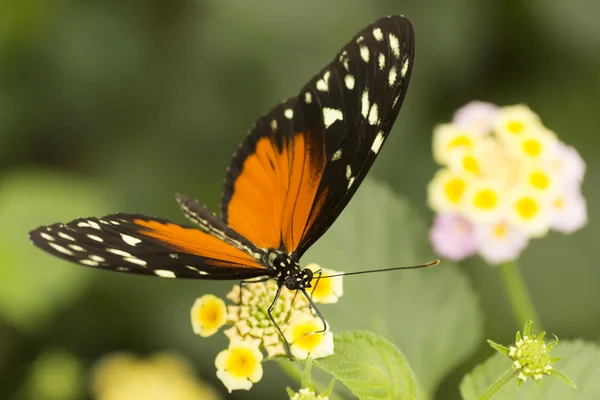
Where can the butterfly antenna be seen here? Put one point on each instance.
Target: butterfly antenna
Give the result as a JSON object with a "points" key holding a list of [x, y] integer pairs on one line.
{"points": [[426, 265]]}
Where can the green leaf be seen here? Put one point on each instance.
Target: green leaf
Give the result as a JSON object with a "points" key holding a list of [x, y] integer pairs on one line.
{"points": [[371, 367], [580, 362], [55, 375], [34, 284], [432, 314]]}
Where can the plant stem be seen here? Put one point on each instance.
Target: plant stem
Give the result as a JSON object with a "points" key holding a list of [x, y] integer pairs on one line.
{"points": [[518, 295], [499, 384], [292, 371]]}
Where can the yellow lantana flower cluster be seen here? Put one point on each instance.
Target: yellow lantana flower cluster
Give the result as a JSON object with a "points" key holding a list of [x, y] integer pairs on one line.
{"points": [[504, 178], [124, 376], [252, 331]]}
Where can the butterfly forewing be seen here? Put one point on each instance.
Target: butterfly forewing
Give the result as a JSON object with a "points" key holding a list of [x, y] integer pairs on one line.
{"points": [[257, 181], [354, 101], [148, 246], [340, 121]]}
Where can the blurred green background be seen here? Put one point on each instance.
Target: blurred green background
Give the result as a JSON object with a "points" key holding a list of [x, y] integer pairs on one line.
{"points": [[116, 105]]}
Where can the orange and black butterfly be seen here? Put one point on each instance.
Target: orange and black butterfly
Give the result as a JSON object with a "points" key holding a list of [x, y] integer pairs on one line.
{"points": [[290, 179]]}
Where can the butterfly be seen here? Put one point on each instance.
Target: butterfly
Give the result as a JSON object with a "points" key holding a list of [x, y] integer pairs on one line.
{"points": [[289, 180]]}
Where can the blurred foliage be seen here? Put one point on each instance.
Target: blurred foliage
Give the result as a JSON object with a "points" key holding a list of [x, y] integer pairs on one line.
{"points": [[55, 375], [379, 230], [30, 294], [114, 106]]}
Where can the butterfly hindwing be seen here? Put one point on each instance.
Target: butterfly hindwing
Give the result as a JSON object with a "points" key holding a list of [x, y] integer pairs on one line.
{"points": [[148, 246]]}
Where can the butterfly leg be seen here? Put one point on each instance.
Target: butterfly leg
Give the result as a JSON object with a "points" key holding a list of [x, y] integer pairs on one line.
{"points": [[269, 312], [314, 307], [317, 272]]}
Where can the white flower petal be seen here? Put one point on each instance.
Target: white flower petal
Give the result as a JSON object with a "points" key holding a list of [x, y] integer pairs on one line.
{"points": [[452, 237], [476, 116], [568, 212], [567, 164], [500, 242], [232, 382]]}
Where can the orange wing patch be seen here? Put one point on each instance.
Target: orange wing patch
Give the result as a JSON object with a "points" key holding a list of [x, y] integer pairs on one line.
{"points": [[196, 242], [275, 191], [256, 207], [308, 163]]}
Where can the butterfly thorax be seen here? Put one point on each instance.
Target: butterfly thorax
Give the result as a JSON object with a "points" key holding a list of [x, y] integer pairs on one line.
{"points": [[287, 271]]}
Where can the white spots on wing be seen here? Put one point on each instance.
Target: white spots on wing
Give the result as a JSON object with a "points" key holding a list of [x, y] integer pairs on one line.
{"points": [[94, 225], [307, 98], [91, 263], [96, 238], [364, 101], [65, 236], [349, 80], [323, 84], [374, 114], [289, 113], [359, 39], [274, 125], [392, 76], [395, 101], [60, 249], [174, 256], [119, 252], [395, 45], [349, 175], [103, 222], [377, 34], [346, 64], [130, 240], [404, 69], [343, 55], [377, 142], [83, 225], [337, 155], [47, 237], [381, 60], [114, 222], [330, 115], [134, 260], [123, 269], [97, 258], [76, 248], [196, 270], [163, 273], [350, 182], [364, 53]]}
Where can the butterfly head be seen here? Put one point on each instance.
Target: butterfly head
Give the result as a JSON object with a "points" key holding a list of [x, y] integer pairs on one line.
{"points": [[298, 280], [287, 271]]}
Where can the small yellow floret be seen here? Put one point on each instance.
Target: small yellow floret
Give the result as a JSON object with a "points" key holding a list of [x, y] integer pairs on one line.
{"points": [[527, 208], [515, 127], [485, 199]]}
